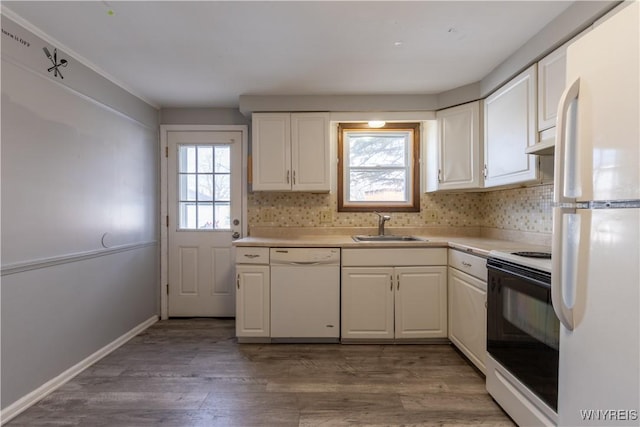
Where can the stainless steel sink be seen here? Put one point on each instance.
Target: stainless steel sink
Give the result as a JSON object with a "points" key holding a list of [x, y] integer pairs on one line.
{"points": [[387, 238]]}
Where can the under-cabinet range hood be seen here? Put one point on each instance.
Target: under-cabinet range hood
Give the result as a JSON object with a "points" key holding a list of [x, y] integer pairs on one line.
{"points": [[546, 145]]}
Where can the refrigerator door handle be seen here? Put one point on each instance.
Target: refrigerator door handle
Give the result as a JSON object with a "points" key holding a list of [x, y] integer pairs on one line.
{"points": [[565, 247], [566, 183]]}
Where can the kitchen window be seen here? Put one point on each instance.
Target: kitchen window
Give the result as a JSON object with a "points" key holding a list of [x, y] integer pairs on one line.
{"points": [[378, 167]]}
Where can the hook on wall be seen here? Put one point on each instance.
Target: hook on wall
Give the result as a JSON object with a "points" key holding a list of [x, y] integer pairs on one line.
{"points": [[54, 60]]}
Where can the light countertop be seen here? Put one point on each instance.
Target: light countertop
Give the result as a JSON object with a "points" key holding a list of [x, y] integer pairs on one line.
{"points": [[476, 245]]}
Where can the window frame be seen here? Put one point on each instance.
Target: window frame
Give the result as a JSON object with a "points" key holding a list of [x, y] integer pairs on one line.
{"points": [[196, 202], [413, 205]]}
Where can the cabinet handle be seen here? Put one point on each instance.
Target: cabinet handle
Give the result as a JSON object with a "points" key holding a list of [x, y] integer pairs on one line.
{"points": [[439, 175], [391, 281], [238, 280], [288, 174], [294, 177], [485, 171], [466, 264], [398, 278], [251, 256]]}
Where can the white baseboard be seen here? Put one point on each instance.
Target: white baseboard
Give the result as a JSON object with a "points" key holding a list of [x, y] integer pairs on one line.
{"points": [[26, 401]]}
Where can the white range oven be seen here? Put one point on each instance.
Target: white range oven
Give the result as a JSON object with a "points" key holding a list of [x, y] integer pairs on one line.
{"points": [[522, 337]]}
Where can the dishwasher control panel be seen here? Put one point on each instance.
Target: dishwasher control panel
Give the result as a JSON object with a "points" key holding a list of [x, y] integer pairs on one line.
{"points": [[305, 255]]}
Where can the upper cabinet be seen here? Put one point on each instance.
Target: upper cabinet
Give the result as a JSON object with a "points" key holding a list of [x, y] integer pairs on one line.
{"points": [[551, 83], [509, 129], [551, 76], [290, 152], [459, 153]]}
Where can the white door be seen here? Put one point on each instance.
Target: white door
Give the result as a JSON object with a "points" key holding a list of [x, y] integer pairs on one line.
{"points": [[204, 207]]}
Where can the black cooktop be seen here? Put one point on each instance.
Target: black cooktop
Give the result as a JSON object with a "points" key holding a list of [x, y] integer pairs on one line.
{"points": [[540, 255]]}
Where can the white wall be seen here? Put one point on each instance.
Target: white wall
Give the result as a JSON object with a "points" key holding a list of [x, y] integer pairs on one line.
{"points": [[202, 116], [80, 209]]}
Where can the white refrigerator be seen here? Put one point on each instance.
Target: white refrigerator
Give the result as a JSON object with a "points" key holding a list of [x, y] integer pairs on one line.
{"points": [[596, 226]]}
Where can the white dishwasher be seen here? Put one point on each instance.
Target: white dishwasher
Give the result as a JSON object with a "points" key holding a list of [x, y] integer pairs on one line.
{"points": [[305, 294]]}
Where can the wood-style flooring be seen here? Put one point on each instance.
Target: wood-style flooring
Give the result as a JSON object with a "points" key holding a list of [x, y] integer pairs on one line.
{"points": [[192, 372]]}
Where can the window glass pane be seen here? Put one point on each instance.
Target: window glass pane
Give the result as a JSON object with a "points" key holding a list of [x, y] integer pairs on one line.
{"points": [[205, 216], [205, 159], [223, 159], [205, 188], [223, 188], [223, 216], [384, 185], [187, 159], [187, 187], [187, 215], [382, 149]]}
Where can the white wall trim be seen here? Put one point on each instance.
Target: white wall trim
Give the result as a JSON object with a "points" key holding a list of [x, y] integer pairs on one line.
{"points": [[69, 258], [164, 207], [50, 386]]}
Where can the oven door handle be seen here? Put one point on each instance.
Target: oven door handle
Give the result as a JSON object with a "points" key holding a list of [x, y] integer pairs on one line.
{"points": [[566, 240]]}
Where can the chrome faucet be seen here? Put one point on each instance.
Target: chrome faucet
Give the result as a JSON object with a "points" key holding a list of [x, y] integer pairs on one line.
{"points": [[381, 220]]}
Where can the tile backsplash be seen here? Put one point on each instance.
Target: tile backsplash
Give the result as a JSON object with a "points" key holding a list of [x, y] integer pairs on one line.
{"points": [[519, 209]]}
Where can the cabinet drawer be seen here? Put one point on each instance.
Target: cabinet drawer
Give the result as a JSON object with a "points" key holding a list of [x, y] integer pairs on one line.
{"points": [[251, 255], [471, 264], [395, 257]]}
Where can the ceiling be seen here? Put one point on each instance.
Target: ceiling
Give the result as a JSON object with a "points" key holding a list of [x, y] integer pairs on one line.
{"points": [[208, 53]]}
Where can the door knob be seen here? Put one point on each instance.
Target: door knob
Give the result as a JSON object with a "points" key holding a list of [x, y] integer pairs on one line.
{"points": [[235, 235], [236, 222]]}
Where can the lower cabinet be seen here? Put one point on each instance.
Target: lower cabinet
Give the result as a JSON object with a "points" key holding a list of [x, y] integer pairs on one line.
{"points": [[467, 307], [394, 302], [253, 292]]}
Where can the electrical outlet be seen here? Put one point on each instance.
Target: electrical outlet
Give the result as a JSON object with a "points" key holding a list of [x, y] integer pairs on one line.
{"points": [[430, 215], [326, 216], [267, 215]]}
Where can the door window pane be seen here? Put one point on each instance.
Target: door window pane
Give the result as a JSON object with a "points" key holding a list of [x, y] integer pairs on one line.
{"points": [[188, 187], [223, 216], [205, 159], [205, 187], [223, 159], [204, 182]]}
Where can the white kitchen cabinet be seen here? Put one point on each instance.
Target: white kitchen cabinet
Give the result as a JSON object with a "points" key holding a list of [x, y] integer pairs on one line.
{"points": [[367, 302], [420, 302], [290, 152], [253, 293], [509, 128], [459, 152], [467, 306], [551, 83], [385, 297]]}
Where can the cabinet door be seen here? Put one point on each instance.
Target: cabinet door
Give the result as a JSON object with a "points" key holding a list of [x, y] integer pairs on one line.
{"points": [[367, 302], [421, 302], [468, 316], [253, 301], [509, 128], [271, 151], [551, 76], [310, 152], [459, 147]]}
